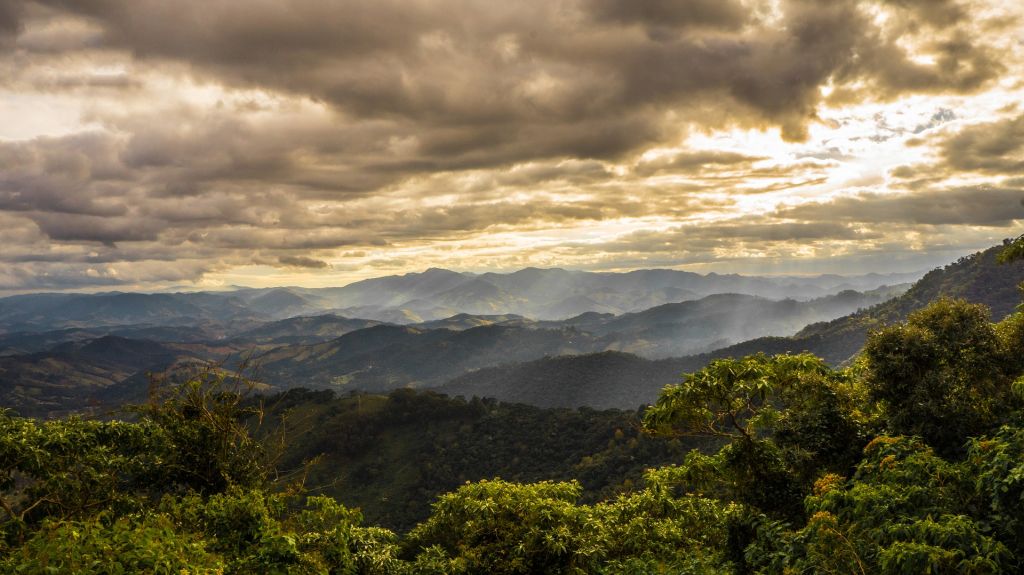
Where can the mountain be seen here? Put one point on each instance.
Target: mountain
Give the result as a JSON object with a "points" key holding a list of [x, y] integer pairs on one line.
{"points": [[392, 291], [281, 303], [554, 294], [977, 278], [386, 357], [466, 321], [55, 369], [57, 350], [541, 294], [715, 321], [303, 329], [623, 381], [46, 312], [75, 374]]}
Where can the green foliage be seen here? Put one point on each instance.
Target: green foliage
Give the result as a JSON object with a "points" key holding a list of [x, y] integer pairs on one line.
{"points": [[1012, 251], [788, 417], [184, 489], [505, 528], [392, 455], [205, 420], [256, 531], [654, 531], [150, 544], [734, 397], [70, 469], [904, 511], [944, 375], [997, 465], [785, 481]]}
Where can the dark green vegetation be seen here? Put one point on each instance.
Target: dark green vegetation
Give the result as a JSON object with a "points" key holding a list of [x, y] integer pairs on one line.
{"points": [[393, 455], [908, 460]]}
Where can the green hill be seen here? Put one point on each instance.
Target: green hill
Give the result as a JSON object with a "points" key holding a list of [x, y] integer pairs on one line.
{"points": [[393, 455]]}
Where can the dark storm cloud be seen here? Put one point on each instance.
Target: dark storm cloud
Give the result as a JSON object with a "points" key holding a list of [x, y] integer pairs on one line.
{"points": [[107, 230], [544, 78], [79, 174], [940, 13]]}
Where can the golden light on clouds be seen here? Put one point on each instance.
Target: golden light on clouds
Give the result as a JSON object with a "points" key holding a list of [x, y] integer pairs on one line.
{"points": [[316, 143]]}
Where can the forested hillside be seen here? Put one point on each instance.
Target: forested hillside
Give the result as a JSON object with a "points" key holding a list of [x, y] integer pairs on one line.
{"points": [[391, 456], [46, 371], [605, 380]]}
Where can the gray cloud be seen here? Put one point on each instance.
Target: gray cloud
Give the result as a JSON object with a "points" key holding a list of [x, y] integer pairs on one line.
{"points": [[536, 72], [443, 121], [10, 19], [970, 206], [995, 147], [302, 262], [725, 14]]}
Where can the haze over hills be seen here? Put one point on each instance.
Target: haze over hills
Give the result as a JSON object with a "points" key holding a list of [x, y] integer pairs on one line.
{"points": [[435, 294], [50, 371], [553, 294], [624, 381], [978, 278], [593, 358]]}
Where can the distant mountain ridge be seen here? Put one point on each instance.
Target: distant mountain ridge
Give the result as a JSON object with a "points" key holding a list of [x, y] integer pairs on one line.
{"points": [[555, 294], [624, 381], [978, 278], [539, 294], [384, 357], [94, 355], [48, 371]]}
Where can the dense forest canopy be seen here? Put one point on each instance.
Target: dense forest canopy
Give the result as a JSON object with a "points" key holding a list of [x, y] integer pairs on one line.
{"points": [[908, 460]]}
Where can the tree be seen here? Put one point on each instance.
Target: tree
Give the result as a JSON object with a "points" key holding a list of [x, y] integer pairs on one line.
{"points": [[1013, 251], [786, 418], [942, 375], [905, 510]]}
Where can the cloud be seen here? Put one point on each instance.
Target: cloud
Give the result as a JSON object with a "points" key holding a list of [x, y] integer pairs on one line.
{"points": [[282, 133], [993, 147], [302, 262], [553, 74], [723, 14], [967, 206], [10, 19]]}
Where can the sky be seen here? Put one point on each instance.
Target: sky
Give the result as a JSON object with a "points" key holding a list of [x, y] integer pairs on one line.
{"points": [[146, 144]]}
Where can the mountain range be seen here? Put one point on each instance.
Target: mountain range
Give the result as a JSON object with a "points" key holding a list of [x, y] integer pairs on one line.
{"points": [[61, 352], [436, 294]]}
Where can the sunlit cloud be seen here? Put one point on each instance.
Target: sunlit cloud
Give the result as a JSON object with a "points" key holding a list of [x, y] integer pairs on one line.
{"points": [[213, 143]]}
